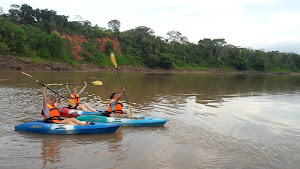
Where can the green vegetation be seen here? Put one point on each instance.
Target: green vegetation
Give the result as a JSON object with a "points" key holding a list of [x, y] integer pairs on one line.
{"points": [[33, 33]]}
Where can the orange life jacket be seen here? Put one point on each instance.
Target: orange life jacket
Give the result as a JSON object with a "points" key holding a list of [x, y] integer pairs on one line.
{"points": [[54, 113], [76, 100], [118, 109]]}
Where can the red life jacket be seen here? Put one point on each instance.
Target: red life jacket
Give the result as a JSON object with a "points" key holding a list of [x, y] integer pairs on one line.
{"points": [[76, 100], [54, 113], [118, 110]]}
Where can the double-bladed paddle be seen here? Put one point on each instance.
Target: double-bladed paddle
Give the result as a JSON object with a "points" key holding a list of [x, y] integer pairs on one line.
{"points": [[70, 101], [97, 83]]}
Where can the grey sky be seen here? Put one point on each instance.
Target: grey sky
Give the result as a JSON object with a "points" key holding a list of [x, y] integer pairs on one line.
{"points": [[259, 24]]}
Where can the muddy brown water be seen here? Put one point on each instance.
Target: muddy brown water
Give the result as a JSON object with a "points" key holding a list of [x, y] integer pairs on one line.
{"points": [[216, 121]]}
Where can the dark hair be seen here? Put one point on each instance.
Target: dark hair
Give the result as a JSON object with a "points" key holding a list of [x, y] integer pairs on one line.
{"points": [[52, 97], [112, 95], [75, 89]]}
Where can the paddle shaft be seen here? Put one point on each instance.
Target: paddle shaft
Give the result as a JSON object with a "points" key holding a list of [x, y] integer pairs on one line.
{"points": [[43, 85], [122, 85], [56, 84], [77, 83]]}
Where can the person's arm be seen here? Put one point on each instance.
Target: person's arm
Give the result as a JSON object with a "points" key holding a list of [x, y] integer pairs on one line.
{"points": [[113, 105], [120, 95], [45, 107], [44, 97], [68, 90], [85, 84], [58, 101]]}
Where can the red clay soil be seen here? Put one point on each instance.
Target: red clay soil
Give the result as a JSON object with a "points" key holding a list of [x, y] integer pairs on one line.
{"points": [[78, 40], [103, 41]]}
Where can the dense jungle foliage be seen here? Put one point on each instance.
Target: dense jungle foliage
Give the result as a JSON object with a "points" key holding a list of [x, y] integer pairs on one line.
{"points": [[29, 32]]}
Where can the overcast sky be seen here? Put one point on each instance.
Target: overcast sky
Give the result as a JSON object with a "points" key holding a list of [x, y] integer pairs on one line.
{"points": [[258, 24]]}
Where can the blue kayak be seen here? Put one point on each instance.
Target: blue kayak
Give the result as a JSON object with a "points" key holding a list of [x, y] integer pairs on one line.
{"points": [[140, 121], [51, 128]]}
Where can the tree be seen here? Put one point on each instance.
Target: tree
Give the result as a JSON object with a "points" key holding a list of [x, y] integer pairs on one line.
{"points": [[32, 32], [206, 43], [219, 48], [78, 18], [138, 41], [184, 41], [27, 14], [14, 12], [114, 25], [140, 32], [174, 36]]}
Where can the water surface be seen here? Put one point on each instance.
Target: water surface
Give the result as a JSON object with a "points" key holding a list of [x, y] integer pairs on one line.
{"points": [[216, 121]]}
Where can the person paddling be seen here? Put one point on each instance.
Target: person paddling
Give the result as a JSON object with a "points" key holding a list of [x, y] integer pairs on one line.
{"points": [[75, 96], [52, 115], [115, 107]]}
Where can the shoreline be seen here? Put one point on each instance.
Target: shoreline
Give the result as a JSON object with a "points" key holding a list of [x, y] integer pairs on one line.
{"points": [[16, 63]]}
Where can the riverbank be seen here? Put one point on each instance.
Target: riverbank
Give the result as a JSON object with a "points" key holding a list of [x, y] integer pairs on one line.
{"points": [[8, 62]]}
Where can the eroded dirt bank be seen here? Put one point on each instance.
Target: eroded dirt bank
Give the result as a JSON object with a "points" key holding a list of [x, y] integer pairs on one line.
{"points": [[8, 62]]}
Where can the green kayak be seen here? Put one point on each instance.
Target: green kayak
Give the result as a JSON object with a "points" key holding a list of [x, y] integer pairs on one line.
{"points": [[140, 121]]}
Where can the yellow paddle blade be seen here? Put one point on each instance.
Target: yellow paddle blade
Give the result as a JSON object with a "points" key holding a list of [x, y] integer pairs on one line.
{"points": [[97, 83], [55, 84], [71, 102], [113, 59], [130, 111]]}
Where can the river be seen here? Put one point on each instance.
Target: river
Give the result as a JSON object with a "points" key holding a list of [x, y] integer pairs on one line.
{"points": [[216, 121]]}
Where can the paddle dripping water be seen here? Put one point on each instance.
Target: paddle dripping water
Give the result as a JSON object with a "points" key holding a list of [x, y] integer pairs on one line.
{"points": [[216, 121]]}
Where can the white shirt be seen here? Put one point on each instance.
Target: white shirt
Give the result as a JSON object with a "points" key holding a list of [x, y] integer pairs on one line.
{"points": [[113, 106], [46, 111]]}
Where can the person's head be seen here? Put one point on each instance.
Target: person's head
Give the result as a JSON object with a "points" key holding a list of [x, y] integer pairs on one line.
{"points": [[113, 96], [52, 100], [74, 91]]}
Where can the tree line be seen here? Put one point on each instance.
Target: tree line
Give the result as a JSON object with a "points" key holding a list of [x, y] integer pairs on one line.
{"points": [[31, 32]]}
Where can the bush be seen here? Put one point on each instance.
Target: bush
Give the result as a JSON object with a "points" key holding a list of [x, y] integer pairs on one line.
{"points": [[152, 61], [56, 46], [258, 65], [44, 53], [166, 61], [109, 47], [4, 48], [240, 64], [12, 37]]}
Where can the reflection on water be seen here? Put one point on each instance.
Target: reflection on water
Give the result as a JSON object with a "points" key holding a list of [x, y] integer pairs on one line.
{"points": [[65, 150], [50, 151], [218, 120]]}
